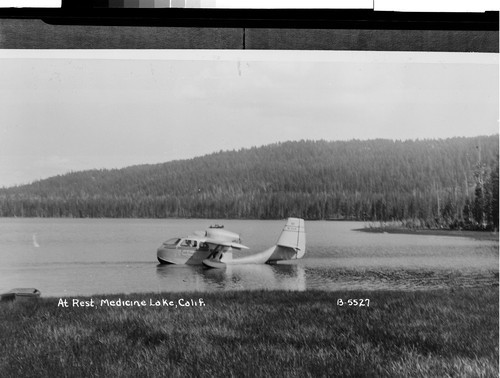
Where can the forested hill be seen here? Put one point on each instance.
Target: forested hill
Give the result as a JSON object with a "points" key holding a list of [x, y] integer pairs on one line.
{"points": [[429, 180]]}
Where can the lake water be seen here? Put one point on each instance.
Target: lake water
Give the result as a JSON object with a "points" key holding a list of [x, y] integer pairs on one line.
{"points": [[103, 256]]}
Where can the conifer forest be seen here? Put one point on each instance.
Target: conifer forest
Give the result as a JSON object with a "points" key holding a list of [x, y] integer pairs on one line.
{"points": [[433, 183]]}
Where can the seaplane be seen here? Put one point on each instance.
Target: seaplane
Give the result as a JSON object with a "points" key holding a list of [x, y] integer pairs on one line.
{"points": [[217, 247]]}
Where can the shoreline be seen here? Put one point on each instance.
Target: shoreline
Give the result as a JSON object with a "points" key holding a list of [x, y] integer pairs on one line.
{"points": [[477, 235]]}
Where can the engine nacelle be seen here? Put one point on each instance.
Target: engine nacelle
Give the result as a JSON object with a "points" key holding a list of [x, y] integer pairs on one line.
{"points": [[223, 235]]}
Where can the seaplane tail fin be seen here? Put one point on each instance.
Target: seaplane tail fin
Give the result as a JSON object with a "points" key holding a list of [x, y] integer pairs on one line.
{"points": [[294, 236]]}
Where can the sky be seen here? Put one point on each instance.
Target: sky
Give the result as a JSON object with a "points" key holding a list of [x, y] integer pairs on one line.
{"points": [[74, 110]]}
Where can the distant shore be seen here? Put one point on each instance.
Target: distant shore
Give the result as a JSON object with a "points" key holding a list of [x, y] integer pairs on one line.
{"points": [[478, 235]]}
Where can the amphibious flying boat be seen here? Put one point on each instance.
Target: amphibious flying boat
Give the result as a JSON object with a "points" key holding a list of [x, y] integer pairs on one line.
{"points": [[217, 247]]}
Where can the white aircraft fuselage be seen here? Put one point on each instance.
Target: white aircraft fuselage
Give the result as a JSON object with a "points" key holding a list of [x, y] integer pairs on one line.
{"points": [[215, 247]]}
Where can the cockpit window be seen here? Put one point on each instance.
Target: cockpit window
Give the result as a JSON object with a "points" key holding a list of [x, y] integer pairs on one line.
{"points": [[173, 241], [189, 243]]}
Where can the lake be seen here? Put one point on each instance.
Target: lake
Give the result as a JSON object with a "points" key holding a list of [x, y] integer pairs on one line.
{"points": [[103, 256]]}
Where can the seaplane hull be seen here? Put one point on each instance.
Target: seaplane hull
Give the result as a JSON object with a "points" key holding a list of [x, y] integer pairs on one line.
{"points": [[181, 256], [193, 249]]}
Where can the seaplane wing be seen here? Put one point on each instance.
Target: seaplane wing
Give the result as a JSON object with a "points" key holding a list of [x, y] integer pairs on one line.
{"points": [[225, 243]]}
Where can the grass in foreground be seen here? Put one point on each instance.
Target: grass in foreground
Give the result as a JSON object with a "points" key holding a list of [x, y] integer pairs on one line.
{"points": [[265, 333]]}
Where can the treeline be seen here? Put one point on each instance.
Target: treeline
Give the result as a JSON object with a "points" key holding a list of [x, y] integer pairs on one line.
{"points": [[430, 183]]}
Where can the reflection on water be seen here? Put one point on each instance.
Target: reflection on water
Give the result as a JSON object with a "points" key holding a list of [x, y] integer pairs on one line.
{"points": [[300, 278], [234, 277], [102, 256]]}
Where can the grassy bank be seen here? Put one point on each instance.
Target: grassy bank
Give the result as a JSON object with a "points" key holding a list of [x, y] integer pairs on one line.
{"points": [[478, 235], [275, 333]]}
